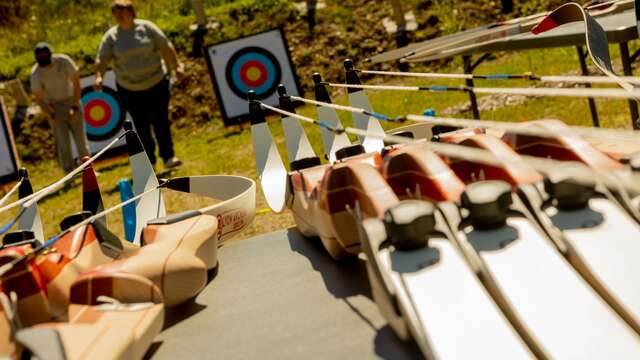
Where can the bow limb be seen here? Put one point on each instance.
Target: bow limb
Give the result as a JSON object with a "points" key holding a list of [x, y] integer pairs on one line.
{"points": [[298, 145], [144, 178], [271, 170], [595, 37]]}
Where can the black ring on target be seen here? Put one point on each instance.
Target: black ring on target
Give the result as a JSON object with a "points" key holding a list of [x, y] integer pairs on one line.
{"points": [[253, 68], [103, 113]]}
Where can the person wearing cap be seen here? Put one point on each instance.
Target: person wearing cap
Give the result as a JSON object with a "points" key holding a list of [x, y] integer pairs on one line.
{"points": [[142, 57], [55, 84]]}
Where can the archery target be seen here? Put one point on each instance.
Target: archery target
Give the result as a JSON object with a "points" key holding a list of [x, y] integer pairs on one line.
{"points": [[253, 68], [8, 154], [103, 113], [258, 62]]}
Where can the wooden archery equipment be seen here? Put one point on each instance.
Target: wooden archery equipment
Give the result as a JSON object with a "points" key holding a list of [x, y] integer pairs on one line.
{"points": [[595, 299]]}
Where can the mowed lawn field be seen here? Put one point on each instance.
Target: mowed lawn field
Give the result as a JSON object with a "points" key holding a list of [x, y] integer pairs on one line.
{"points": [[212, 149]]}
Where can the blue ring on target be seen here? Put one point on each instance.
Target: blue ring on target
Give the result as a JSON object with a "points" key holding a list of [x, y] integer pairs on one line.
{"points": [[266, 59], [107, 99]]}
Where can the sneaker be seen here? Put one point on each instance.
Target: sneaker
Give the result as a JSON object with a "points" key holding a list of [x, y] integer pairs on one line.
{"points": [[172, 163]]}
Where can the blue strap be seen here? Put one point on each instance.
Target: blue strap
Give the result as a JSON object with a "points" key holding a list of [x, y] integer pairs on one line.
{"points": [[7, 226], [128, 211], [438, 88], [498, 76], [380, 116]]}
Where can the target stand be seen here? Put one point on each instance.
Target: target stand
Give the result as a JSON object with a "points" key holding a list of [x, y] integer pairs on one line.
{"points": [[9, 160], [258, 62], [103, 114]]}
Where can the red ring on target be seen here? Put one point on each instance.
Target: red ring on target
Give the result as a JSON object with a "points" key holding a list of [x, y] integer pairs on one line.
{"points": [[253, 64], [97, 122]]}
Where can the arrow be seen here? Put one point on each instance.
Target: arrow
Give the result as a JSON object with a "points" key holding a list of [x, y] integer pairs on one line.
{"points": [[40, 194], [29, 219], [332, 141], [52, 240], [530, 77], [298, 145], [450, 150], [13, 190], [234, 196], [580, 93], [144, 178], [609, 134], [344, 108], [28, 201]]}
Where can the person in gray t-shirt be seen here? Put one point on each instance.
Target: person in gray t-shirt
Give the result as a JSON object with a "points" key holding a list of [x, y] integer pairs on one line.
{"points": [[55, 84], [142, 56]]}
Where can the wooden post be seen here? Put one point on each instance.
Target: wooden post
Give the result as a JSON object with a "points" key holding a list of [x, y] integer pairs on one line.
{"points": [[582, 56], [468, 69], [201, 30], [626, 68], [401, 32], [312, 5], [398, 15], [507, 6], [198, 8], [22, 102]]}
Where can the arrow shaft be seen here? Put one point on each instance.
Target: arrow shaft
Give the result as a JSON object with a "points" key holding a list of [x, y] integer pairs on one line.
{"points": [[450, 150], [530, 77], [611, 134], [572, 92], [52, 240], [343, 108], [10, 193], [40, 194]]}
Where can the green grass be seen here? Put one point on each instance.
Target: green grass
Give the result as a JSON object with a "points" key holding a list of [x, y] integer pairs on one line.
{"points": [[78, 33], [206, 148], [209, 149]]}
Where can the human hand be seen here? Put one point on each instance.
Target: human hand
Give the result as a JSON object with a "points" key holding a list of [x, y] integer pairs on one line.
{"points": [[180, 73], [48, 110], [73, 112], [98, 84]]}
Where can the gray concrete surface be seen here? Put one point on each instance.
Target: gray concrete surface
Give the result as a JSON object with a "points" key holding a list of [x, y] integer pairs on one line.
{"points": [[280, 296]]}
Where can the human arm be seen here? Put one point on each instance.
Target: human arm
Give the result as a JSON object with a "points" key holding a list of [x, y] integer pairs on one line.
{"points": [[38, 94], [48, 111], [75, 105], [105, 55], [167, 50], [101, 68], [170, 57], [74, 78]]}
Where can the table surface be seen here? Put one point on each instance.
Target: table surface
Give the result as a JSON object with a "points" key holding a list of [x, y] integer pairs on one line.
{"points": [[280, 296], [620, 27]]}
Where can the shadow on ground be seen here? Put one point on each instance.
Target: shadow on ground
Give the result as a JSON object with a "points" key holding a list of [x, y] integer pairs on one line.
{"points": [[345, 280]]}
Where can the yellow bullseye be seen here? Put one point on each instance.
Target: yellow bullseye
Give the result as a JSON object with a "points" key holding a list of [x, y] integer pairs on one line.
{"points": [[97, 113], [253, 73]]}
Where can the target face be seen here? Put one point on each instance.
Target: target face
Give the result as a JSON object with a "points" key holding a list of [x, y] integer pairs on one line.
{"points": [[253, 68], [259, 62], [103, 113]]}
